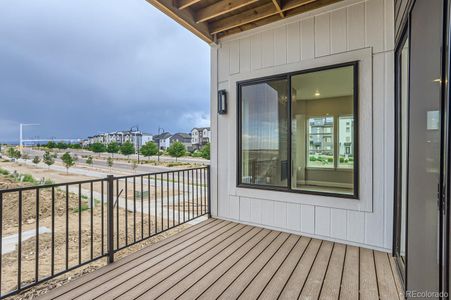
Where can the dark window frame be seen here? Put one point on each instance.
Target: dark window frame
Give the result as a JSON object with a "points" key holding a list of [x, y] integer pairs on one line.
{"points": [[288, 76]]}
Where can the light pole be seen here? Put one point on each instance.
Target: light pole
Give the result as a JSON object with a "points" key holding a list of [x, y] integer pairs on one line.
{"points": [[21, 135], [159, 139]]}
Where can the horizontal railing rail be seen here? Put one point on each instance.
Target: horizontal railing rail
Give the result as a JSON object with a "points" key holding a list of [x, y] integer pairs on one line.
{"points": [[49, 230]]}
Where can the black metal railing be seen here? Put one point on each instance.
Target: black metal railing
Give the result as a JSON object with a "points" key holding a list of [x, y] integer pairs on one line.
{"points": [[48, 230]]}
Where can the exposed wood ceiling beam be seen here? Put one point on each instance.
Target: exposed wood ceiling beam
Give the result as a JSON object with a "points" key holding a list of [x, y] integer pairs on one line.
{"points": [[278, 5], [290, 8], [181, 4], [220, 8], [184, 18], [254, 15], [245, 17]]}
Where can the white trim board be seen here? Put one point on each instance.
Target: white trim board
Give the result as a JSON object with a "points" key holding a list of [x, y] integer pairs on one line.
{"points": [[365, 201]]}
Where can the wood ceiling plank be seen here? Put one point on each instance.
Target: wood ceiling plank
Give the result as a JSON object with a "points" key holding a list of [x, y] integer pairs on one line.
{"points": [[184, 18], [248, 16], [220, 8], [263, 15], [253, 15], [182, 4]]}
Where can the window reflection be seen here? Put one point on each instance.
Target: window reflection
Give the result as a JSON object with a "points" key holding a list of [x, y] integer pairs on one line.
{"points": [[264, 110]]}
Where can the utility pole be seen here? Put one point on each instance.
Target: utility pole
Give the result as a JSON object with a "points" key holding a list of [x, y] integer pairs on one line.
{"points": [[159, 139], [21, 135]]}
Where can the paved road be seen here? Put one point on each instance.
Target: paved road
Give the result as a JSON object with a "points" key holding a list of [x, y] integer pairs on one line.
{"points": [[146, 168], [193, 160]]}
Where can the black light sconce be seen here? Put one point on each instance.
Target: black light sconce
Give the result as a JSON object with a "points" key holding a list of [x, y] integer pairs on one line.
{"points": [[222, 102]]}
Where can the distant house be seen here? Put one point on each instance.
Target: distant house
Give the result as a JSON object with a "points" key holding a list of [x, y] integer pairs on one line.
{"points": [[163, 140], [184, 138], [200, 137]]}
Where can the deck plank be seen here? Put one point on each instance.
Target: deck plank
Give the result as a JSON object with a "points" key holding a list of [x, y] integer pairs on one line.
{"points": [[386, 282], [259, 282], [122, 280], [351, 272], [217, 253], [312, 287], [240, 282], [332, 281], [237, 261], [297, 279], [368, 279], [139, 284], [130, 261], [277, 283], [222, 259], [398, 283], [228, 278]]}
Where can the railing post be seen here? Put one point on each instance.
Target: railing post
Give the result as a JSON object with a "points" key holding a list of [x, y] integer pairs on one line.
{"points": [[110, 219], [209, 190]]}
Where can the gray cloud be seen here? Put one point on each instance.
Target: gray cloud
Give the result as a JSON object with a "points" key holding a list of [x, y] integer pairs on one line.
{"points": [[78, 67]]}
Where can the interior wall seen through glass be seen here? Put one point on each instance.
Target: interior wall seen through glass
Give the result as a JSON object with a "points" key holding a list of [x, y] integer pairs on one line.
{"points": [[323, 132]]}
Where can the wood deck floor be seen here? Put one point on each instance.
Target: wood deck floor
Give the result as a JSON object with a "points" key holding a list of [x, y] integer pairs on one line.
{"points": [[224, 260]]}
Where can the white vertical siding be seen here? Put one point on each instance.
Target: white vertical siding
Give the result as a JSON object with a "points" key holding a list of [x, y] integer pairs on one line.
{"points": [[347, 26]]}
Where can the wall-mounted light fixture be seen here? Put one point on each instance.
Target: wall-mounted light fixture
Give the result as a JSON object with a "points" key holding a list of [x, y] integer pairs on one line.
{"points": [[222, 102]]}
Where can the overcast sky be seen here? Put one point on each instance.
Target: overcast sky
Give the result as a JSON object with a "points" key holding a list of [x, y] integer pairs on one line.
{"points": [[88, 66]]}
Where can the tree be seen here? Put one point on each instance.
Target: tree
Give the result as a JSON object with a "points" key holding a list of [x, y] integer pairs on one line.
{"points": [[51, 145], [110, 162], [205, 151], [89, 160], [149, 149], [75, 146], [177, 150], [48, 159], [127, 148], [36, 160], [68, 161], [61, 145], [13, 153], [97, 148], [112, 148]]}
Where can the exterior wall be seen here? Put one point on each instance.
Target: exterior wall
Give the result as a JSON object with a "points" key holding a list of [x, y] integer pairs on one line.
{"points": [[346, 31]]}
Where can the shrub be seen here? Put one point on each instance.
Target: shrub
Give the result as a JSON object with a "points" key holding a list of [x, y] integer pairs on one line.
{"points": [[36, 160], [205, 151]]}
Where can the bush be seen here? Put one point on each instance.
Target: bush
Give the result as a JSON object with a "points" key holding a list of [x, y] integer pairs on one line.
{"points": [[312, 158], [4, 172], [330, 159], [196, 153], [36, 160], [205, 151]]}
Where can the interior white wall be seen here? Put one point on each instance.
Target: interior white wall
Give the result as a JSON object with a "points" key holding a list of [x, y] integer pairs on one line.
{"points": [[343, 31]]}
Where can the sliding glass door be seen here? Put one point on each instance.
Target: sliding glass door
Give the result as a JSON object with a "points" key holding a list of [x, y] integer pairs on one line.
{"points": [[418, 237], [402, 124]]}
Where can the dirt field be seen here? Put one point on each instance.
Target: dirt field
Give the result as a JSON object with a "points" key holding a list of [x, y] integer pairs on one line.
{"points": [[92, 241]]}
